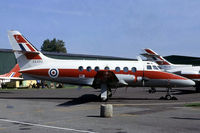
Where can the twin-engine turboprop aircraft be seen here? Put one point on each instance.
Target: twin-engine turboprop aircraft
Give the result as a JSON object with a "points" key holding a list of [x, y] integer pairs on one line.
{"points": [[188, 71], [102, 74], [11, 76]]}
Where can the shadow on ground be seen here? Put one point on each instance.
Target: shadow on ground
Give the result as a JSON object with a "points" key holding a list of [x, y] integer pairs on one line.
{"points": [[81, 100]]}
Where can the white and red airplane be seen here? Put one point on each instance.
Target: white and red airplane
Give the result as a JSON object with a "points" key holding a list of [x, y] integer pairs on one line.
{"points": [[13, 75], [188, 71], [102, 74]]}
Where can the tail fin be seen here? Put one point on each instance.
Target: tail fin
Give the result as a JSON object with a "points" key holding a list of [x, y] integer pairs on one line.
{"points": [[14, 73], [26, 54], [153, 56]]}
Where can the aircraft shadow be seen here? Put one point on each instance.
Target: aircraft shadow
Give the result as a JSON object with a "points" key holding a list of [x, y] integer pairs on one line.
{"points": [[185, 118], [47, 98], [94, 98], [81, 100], [182, 92], [177, 91]]}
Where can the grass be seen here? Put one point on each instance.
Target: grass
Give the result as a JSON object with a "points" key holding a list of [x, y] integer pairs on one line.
{"points": [[193, 105]]}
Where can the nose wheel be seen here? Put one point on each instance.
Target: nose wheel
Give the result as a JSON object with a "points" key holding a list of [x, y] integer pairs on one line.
{"points": [[168, 96]]}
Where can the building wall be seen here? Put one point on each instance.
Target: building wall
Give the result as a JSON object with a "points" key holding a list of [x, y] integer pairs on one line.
{"points": [[7, 61]]}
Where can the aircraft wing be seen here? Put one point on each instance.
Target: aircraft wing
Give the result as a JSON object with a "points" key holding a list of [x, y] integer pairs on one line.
{"points": [[107, 77], [111, 79]]}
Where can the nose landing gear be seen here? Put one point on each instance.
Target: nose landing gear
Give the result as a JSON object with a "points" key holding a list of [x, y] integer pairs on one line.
{"points": [[168, 96]]}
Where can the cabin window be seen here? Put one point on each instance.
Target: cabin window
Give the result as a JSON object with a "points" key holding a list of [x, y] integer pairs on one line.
{"points": [[125, 69], [155, 67], [89, 68], [133, 69], [117, 69], [80, 68], [96, 68], [106, 68], [149, 67]]}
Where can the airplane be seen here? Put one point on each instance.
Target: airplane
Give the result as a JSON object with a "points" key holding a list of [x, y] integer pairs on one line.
{"points": [[188, 71], [13, 75], [99, 74]]}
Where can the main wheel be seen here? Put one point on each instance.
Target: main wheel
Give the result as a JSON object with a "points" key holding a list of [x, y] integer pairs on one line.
{"points": [[168, 97]]}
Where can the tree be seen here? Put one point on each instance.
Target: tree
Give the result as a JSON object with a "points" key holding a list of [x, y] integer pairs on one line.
{"points": [[54, 46]]}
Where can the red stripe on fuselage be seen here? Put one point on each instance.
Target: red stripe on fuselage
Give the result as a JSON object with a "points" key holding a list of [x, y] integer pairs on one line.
{"points": [[76, 73], [191, 76], [161, 75]]}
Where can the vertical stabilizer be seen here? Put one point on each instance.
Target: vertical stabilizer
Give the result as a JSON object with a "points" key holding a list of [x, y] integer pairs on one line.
{"points": [[153, 56], [26, 54]]}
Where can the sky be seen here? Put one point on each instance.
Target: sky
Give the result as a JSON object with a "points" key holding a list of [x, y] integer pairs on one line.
{"points": [[119, 28]]}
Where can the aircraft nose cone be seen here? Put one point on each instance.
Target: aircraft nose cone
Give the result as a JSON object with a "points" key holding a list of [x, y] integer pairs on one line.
{"points": [[189, 82], [183, 83]]}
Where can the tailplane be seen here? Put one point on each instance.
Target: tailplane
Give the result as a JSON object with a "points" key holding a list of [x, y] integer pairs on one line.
{"points": [[153, 56], [14, 73]]}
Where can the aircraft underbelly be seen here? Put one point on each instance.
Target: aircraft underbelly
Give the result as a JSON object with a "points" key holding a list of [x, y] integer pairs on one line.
{"points": [[67, 80]]}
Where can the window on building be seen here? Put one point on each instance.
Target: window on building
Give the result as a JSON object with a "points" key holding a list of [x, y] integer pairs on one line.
{"points": [[117, 69], [80, 68]]}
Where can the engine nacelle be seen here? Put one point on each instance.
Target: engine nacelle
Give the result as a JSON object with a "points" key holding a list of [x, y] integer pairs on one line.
{"points": [[125, 79]]}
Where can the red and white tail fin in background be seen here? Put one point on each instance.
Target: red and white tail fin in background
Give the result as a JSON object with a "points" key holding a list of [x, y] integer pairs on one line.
{"points": [[153, 56], [13, 74], [26, 54]]}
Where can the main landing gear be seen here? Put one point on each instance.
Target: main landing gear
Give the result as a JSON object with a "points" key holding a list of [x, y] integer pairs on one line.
{"points": [[168, 96], [105, 92]]}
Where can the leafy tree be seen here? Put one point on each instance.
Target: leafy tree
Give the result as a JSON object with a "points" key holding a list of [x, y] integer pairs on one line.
{"points": [[54, 46]]}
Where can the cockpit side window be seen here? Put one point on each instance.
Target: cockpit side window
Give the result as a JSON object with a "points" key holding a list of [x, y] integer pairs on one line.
{"points": [[149, 67], [155, 68]]}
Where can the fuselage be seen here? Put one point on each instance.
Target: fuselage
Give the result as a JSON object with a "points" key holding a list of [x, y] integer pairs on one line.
{"points": [[188, 71], [82, 72]]}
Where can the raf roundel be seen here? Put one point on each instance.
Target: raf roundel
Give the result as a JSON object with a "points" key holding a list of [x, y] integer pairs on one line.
{"points": [[53, 73]]}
